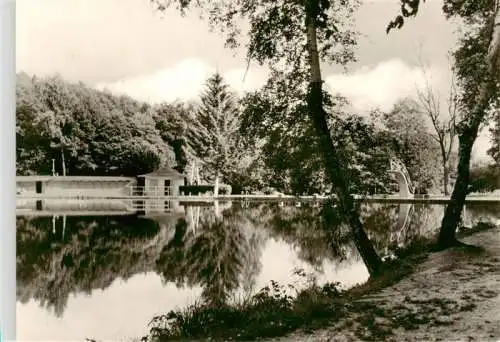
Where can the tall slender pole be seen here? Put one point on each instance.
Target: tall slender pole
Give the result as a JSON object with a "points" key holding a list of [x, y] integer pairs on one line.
{"points": [[53, 224], [64, 226], [63, 163]]}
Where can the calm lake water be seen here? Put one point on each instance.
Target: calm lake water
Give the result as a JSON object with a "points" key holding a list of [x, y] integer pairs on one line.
{"points": [[106, 276]]}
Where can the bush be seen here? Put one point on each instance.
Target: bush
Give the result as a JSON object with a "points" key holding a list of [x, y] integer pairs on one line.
{"points": [[270, 312], [195, 190], [484, 179]]}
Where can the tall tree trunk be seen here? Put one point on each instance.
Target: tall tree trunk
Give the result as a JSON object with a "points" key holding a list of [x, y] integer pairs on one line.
{"points": [[333, 162], [468, 135], [453, 212]]}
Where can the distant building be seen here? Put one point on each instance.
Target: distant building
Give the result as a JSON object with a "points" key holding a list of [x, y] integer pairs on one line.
{"points": [[162, 182]]}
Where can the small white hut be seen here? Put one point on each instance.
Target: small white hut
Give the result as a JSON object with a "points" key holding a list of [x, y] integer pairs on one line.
{"points": [[162, 182]]}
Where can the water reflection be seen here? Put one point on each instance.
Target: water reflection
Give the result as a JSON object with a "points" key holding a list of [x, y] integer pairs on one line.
{"points": [[221, 256], [160, 259], [91, 254]]}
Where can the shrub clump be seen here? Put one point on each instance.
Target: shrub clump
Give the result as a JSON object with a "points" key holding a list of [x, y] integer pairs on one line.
{"points": [[272, 311]]}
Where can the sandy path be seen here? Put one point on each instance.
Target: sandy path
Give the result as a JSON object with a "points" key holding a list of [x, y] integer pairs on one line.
{"points": [[453, 296]]}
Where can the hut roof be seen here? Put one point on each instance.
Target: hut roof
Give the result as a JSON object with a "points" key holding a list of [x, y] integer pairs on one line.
{"points": [[164, 172]]}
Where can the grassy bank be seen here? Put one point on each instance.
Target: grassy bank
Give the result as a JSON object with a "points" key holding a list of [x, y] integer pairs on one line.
{"points": [[274, 312]]}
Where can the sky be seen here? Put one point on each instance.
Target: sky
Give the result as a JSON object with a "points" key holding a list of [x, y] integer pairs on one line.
{"points": [[128, 47]]}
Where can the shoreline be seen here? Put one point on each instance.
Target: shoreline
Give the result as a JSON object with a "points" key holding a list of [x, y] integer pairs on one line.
{"points": [[424, 296], [262, 198], [453, 295]]}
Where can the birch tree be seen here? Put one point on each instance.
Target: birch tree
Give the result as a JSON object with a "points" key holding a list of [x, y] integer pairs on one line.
{"points": [[296, 35], [476, 61]]}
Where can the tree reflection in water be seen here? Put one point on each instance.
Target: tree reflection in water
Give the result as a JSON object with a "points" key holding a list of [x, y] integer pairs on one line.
{"points": [[223, 254], [94, 252]]}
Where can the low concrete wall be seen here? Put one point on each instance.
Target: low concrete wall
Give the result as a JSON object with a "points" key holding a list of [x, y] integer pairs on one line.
{"points": [[72, 205], [26, 204], [89, 205], [74, 186]]}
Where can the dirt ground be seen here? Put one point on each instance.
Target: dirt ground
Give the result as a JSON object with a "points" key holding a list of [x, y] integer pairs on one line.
{"points": [[452, 296]]}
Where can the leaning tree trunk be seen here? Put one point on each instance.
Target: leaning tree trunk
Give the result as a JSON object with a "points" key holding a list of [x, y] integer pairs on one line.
{"points": [[335, 165], [467, 136], [453, 212]]}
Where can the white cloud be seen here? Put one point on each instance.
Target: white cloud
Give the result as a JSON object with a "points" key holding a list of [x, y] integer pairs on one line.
{"points": [[243, 81], [380, 86], [183, 81]]}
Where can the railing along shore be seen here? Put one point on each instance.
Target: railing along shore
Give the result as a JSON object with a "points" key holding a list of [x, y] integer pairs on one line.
{"points": [[248, 197]]}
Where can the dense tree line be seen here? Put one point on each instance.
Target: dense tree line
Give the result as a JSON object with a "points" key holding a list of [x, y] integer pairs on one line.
{"points": [[85, 131], [73, 129], [256, 142], [261, 141]]}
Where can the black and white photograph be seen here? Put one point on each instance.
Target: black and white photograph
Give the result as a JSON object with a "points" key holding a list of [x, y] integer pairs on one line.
{"points": [[256, 170]]}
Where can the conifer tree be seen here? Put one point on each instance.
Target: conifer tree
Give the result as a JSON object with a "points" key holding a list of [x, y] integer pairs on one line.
{"points": [[212, 138]]}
